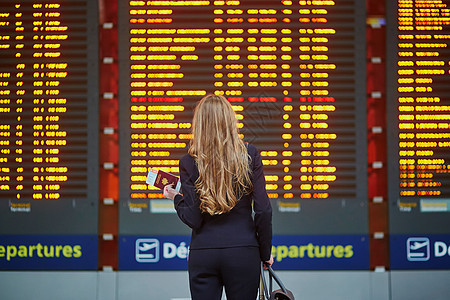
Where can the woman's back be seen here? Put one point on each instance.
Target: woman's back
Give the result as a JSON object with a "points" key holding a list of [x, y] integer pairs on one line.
{"points": [[220, 155], [223, 183], [236, 227]]}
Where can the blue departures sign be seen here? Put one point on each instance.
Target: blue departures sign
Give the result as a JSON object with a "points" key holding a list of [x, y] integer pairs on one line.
{"points": [[153, 252], [321, 252], [48, 252], [291, 252], [426, 251]]}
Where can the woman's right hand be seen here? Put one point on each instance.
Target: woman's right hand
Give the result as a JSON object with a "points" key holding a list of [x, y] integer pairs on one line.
{"points": [[268, 262]]}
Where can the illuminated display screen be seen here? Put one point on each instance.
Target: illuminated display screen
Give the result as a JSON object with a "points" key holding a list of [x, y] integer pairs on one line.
{"points": [[419, 115], [47, 117], [294, 74]]}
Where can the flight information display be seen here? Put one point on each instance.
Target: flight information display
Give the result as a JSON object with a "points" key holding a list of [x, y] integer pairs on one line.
{"points": [[294, 73], [48, 117], [419, 115]]}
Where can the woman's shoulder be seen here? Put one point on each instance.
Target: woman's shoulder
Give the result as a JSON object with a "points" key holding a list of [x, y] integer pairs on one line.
{"points": [[187, 159], [252, 150], [188, 162]]}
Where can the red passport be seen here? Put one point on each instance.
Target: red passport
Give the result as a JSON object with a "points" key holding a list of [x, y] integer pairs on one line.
{"points": [[160, 179]]}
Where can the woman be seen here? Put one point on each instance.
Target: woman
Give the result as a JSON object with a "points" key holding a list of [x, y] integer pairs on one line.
{"points": [[221, 177]]}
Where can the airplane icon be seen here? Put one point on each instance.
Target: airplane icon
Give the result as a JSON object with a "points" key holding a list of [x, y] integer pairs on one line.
{"points": [[147, 250], [146, 246], [417, 245], [418, 249]]}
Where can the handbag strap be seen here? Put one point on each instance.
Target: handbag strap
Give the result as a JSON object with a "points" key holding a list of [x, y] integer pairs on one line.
{"points": [[262, 295], [272, 275], [264, 283]]}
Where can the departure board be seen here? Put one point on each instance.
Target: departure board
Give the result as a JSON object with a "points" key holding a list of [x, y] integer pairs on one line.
{"points": [[419, 115], [48, 117], [294, 73]]}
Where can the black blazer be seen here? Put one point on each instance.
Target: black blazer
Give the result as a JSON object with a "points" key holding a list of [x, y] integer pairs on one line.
{"points": [[236, 228]]}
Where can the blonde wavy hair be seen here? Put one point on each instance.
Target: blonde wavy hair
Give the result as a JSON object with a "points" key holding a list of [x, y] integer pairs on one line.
{"points": [[221, 156]]}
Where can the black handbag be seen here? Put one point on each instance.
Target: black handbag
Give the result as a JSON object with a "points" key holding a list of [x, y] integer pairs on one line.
{"points": [[281, 294]]}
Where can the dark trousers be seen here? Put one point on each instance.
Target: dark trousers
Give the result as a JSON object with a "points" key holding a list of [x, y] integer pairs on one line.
{"points": [[237, 269]]}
